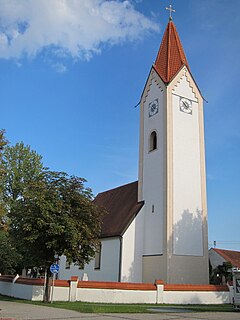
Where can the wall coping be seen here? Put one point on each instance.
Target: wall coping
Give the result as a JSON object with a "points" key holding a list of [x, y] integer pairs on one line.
{"points": [[34, 281], [194, 287], [119, 285], [23, 280]]}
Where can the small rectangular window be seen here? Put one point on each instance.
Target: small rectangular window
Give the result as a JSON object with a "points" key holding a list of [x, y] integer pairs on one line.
{"points": [[98, 257]]}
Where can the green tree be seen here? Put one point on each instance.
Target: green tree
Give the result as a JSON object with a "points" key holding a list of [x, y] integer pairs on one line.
{"points": [[20, 166], [9, 257], [3, 140], [221, 272], [49, 213], [56, 216], [3, 143]]}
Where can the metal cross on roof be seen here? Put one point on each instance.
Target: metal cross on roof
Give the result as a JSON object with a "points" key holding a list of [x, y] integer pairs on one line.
{"points": [[171, 10]]}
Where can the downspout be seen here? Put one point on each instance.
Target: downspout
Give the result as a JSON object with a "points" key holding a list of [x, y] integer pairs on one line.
{"points": [[120, 260]]}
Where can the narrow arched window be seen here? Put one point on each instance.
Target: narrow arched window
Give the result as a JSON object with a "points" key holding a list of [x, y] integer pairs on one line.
{"points": [[153, 141]]}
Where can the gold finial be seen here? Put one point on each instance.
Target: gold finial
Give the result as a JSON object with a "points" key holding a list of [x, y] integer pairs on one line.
{"points": [[171, 10]]}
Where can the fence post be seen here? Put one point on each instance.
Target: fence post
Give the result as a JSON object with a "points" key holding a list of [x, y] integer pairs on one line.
{"points": [[160, 291], [73, 289]]}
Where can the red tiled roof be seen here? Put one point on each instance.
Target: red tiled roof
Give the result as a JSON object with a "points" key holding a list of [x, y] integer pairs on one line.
{"points": [[229, 255], [171, 56], [122, 206]]}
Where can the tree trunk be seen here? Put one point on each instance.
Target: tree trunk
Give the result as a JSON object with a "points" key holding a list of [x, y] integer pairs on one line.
{"points": [[46, 297]]}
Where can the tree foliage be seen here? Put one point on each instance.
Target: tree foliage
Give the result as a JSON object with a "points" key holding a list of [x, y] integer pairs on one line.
{"points": [[221, 274], [56, 216], [3, 140], [3, 143], [9, 256], [20, 166], [49, 213]]}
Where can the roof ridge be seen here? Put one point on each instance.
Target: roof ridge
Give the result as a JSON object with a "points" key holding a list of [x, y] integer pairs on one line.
{"points": [[231, 256], [124, 185], [168, 50], [226, 250], [181, 52]]}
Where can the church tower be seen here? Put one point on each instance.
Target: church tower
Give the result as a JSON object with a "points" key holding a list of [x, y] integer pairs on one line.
{"points": [[172, 176]]}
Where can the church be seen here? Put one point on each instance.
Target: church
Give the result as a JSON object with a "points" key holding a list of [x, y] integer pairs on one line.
{"points": [[156, 227]]}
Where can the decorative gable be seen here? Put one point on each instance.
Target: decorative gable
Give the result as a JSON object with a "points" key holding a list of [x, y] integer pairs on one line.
{"points": [[183, 81], [152, 78]]}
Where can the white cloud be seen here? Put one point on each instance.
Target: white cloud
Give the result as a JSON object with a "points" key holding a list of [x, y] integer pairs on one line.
{"points": [[59, 67], [67, 28]]}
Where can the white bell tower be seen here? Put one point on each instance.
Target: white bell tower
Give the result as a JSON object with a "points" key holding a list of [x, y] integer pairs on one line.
{"points": [[172, 177]]}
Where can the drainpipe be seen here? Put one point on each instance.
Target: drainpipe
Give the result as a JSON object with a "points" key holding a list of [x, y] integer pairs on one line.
{"points": [[120, 260]]}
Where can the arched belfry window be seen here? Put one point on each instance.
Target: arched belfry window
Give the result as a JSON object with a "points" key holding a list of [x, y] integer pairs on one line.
{"points": [[153, 141]]}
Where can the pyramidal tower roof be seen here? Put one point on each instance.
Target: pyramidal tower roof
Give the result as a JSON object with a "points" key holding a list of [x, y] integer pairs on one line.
{"points": [[171, 56]]}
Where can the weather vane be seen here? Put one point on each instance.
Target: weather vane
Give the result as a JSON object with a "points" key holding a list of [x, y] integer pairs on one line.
{"points": [[171, 10]]}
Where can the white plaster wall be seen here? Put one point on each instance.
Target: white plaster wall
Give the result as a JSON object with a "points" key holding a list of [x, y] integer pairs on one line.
{"points": [[197, 297], [24, 291], [132, 251], [231, 294], [154, 182], [187, 198], [116, 296], [37, 293], [60, 293], [109, 270], [21, 291], [6, 288]]}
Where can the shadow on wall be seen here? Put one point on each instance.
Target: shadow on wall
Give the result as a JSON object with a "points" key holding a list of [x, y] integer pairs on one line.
{"points": [[188, 262], [131, 274], [188, 234], [37, 293], [186, 240]]}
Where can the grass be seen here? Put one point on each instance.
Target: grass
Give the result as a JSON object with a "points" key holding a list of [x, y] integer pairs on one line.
{"points": [[87, 307]]}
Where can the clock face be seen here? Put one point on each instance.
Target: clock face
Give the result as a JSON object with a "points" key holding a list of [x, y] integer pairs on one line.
{"points": [[185, 105], [153, 108]]}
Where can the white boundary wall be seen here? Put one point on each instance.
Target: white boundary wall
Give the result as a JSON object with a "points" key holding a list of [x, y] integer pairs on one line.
{"points": [[115, 296], [115, 292], [21, 291], [190, 297]]}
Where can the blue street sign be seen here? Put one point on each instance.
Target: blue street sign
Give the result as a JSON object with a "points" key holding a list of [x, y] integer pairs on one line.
{"points": [[54, 268]]}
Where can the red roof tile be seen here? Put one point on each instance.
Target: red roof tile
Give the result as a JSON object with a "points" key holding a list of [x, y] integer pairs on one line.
{"points": [[122, 206], [171, 56], [229, 255]]}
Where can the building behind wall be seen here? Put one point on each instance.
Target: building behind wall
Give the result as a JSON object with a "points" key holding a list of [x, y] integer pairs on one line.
{"points": [[156, 227]]}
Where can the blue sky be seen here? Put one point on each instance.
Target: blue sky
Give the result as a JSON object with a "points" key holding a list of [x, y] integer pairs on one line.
{"points": [[72, 71]]}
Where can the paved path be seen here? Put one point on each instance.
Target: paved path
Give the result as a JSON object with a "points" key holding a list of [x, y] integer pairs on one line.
{"points": [[22, 311]]}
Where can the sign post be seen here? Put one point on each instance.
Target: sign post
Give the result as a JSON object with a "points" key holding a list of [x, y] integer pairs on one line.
{"points": [[236, 288], [54, 268]]}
